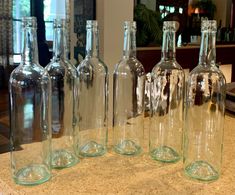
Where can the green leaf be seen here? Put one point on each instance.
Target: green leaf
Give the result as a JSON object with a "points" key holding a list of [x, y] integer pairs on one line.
{"points": [[149, 25]]}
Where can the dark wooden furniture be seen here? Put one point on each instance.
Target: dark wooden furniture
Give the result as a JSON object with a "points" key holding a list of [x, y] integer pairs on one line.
{"points": [[187, 56], [4, 121]]}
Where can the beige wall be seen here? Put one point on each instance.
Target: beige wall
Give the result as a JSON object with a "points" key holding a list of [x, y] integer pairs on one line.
{"points": [[110, 15], [223, 11]]}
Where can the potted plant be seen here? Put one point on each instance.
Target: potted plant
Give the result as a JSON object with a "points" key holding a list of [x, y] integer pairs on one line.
{"points": [[149, 26]]}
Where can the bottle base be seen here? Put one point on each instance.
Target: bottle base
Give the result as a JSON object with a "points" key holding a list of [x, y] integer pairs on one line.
{"points": [[201, 171], [165, 154], [63, 159], [32, 175], [92, 149], [127, 147]]}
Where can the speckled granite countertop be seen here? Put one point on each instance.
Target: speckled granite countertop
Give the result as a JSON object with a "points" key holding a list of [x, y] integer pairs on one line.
{"points": [[115, 174]]}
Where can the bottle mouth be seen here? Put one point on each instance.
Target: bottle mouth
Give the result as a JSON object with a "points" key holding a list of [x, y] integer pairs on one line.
{"points": [[29, 22], [130, 25], [92, 24], [209, 25], [59, 23], [171, 26]]}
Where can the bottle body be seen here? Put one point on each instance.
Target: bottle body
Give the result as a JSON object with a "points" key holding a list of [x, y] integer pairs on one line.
{"points": [[128, 98], [30, 118], [128, 108], [167, 100], [92, 99], [204, 112], [166, 118], [63, 82]]}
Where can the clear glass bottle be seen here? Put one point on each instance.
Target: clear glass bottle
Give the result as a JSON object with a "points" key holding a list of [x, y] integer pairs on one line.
{"points": [[167, 100], [63, 81], [30, 114], [92, 97], [128, 98], [204, 112]]}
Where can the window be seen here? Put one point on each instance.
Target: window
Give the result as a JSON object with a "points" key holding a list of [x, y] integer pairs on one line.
{"points": [[53, 9], [165, 10], [21, 8]]}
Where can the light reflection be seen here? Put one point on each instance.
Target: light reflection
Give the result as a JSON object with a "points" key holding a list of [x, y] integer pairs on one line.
{"points": [[28, 114]]}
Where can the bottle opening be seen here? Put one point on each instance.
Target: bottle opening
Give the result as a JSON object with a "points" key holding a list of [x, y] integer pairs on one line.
{"points": [[92, 24], [29, 22], [170, 26], [130, 25], [59, 23], [209, 25]]}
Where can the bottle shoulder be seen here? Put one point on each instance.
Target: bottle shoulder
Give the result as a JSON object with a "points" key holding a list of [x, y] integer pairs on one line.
{"points": [[129, 65], [29, 70], [61, 68], [204, 72], [29, 74], [94, 64], [200, 69], [55, 66], [168, 64]]}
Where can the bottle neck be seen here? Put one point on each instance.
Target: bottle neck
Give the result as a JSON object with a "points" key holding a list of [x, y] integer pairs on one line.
{"points": [[129, 49], [208, 49], [30, 46], [92, 42], [59, 44], [168, 46]]}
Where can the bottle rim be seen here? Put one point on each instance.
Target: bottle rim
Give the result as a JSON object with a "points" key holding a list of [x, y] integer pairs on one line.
{"points": [[130, 25], [170, 26], [59, 23], [209, 25], [29, 22], [92, 24]]}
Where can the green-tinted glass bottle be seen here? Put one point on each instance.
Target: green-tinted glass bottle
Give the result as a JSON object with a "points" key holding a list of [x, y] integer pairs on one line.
{"points": [[63, 85], [128, 98], [30, 113], [167, 100], [92, 97], [204, 112]]}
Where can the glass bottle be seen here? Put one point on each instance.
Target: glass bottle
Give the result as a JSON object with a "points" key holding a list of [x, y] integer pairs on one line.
{"points": [[128, 97], [204, 112], [63, 80], [167, 100], [30, 114], [93, 97]]}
